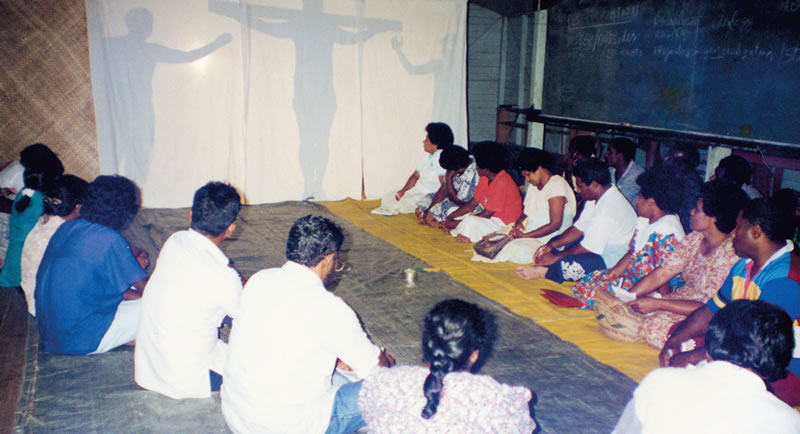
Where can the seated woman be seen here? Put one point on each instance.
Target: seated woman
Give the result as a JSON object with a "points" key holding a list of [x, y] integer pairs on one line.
{"points": [[427, 177], [25, 212], [598, 239], [548, 209], [703, 260], [36, 157], [461, 179], [496, 196], [658, 231], [60, 205], [445, 394]]}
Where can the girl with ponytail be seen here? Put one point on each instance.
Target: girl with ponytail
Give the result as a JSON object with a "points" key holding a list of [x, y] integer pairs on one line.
{"points": [[456, 340]]}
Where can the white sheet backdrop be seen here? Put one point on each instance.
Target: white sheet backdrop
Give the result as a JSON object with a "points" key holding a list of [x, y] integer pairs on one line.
{"points": [[285, 99]]}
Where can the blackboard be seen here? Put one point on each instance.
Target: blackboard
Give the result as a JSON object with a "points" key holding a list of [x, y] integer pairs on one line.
{"points": [[728, 68]]}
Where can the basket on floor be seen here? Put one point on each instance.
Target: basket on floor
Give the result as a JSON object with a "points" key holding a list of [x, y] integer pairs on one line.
{"points": [[615, 319]]}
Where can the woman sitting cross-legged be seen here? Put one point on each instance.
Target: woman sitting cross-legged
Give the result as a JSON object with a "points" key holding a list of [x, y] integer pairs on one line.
{"points": [[461, 179], [548, 209], [658, 231], [445, 394], [60, 205], [598, 239], [496, 201], [703, 260]]}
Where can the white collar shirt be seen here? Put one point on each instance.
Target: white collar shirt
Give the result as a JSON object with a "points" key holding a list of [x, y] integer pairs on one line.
{"points": [[283, 349], [191, 290], [607, 225]]}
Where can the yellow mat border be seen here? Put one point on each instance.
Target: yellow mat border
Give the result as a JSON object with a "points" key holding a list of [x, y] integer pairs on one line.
{"points": [[499, 283]]}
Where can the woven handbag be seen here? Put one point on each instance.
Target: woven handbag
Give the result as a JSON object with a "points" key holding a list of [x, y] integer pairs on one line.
{"points": [[615, 319]]}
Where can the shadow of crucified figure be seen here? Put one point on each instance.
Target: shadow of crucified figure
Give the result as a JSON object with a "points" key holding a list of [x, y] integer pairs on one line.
{"points": [[130, 65], [314, 34]]}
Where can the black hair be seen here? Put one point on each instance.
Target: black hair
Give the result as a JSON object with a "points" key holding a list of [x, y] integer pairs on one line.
{"points": [[41, 167], [593, 169], [723, 201], [490, 156], [454, 158], [624, 146], [737, 170], [531, 159], [66, 193], [774, 219], [440, 134], [651, 185], [753, 334], [690, 185], [311, 239], [41, 158], [584, 145], [684, 154], [111, 200], [453, 330], [214, 208]]}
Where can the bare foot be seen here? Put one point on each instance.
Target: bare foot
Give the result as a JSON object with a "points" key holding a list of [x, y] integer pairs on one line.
{"points": [[462, 239], [530, 272]]}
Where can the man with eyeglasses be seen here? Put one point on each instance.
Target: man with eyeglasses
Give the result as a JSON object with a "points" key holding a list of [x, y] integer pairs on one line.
{"points": [[289, 336]]}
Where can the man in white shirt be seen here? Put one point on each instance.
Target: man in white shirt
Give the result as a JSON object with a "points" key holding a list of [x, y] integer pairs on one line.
{"points": [[178, 352], [749, 343], [289, 336], [427, 177], [597, 240]]}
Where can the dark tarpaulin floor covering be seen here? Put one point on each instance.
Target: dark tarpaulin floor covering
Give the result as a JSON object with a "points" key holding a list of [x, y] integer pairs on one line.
{"points": [[97, 393]]}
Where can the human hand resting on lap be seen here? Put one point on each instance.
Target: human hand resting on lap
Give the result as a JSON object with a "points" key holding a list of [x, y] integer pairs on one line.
{"points": [[645, 305]]}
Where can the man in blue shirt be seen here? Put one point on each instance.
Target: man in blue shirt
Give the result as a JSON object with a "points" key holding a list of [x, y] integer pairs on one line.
{"points": [[89, 282]]}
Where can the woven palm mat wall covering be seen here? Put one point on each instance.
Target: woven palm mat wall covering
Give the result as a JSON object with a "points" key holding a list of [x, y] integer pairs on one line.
{"points": [[97, 393], [45, 85]]}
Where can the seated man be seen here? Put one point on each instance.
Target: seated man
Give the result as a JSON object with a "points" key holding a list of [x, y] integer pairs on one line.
{"points": [[191, 290], [428, 176], [750, 343], [288, 336], [620, 156], [735, 170], [89, 281], [598, 239], [767, 271]]}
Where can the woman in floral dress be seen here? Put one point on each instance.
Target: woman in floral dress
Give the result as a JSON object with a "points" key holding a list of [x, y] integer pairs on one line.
{"points": [[703, 260], [461, 179], [658, 231]]}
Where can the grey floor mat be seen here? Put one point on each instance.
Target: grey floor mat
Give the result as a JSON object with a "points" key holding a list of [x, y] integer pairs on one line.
{"points": [[97, 393]]}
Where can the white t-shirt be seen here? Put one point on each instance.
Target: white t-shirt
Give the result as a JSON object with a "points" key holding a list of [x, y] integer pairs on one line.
{"points": [[429, 172], [537, 208], [12, 176], [283, 349], [191, 290], [715, 397], [670, 224], [607, 225]]}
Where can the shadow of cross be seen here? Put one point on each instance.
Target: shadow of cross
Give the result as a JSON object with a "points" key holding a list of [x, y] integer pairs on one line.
{"points": [[314, 34]]}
